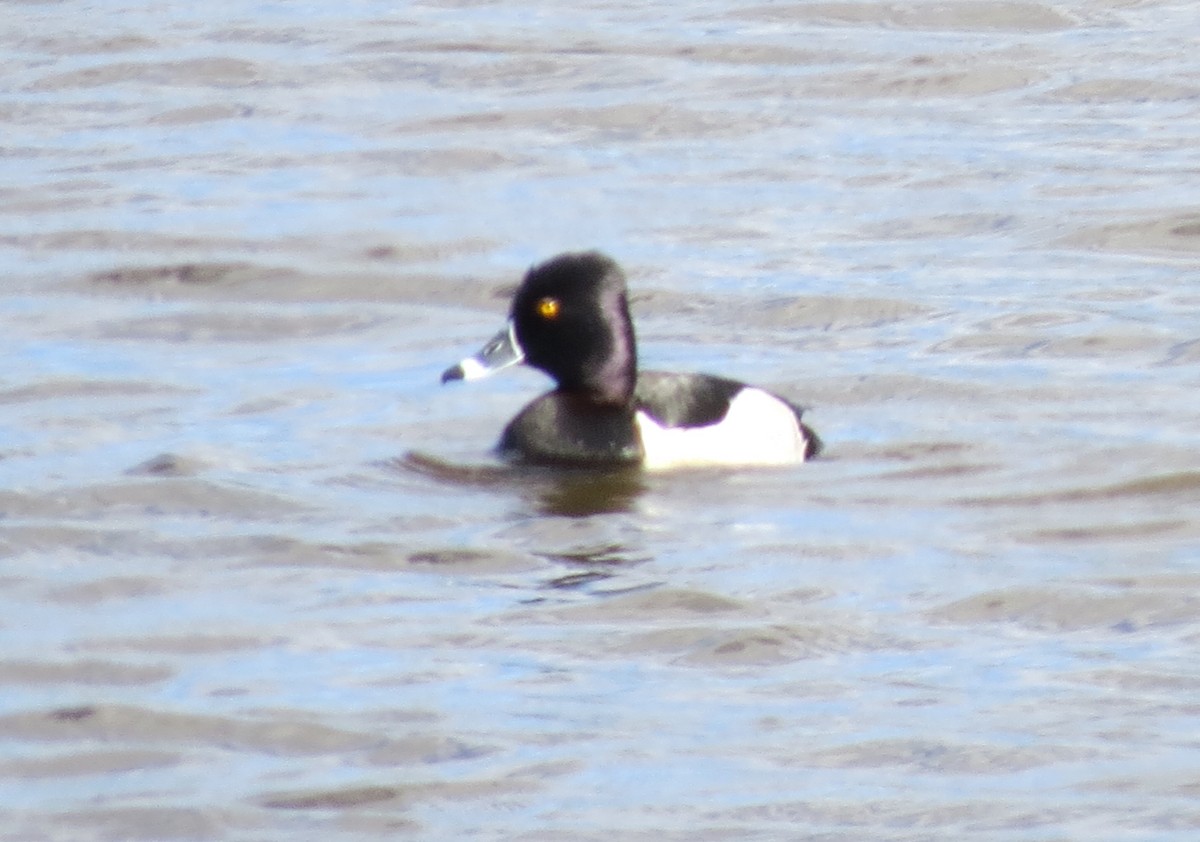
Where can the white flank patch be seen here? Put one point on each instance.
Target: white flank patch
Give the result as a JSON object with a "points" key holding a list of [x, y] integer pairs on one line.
{"points": [[759, 429]]}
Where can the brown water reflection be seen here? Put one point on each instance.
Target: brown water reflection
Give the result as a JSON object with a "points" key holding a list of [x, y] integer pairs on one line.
{"points": [[552, 492]]}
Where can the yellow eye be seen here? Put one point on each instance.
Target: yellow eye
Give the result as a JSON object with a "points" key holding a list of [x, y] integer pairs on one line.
{"points": [[548, 308]]}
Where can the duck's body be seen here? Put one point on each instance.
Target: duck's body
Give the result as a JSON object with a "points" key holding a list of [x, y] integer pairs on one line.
{"points": [[570, 318]]}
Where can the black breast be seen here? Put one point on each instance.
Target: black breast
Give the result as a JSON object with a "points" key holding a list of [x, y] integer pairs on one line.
{"points": [[564, 429]]}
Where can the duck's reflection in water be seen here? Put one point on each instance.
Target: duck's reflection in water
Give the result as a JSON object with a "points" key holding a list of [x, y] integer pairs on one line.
{"points": [[560, 492]]}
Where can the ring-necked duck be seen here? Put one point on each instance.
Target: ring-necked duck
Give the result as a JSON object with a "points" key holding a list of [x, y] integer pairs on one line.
{"points": [[570, 318]]}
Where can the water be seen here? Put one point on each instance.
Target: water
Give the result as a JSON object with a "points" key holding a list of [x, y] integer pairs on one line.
{"points": [[263, 580]]}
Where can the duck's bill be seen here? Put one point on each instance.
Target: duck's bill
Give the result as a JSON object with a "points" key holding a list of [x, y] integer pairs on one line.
{"points": [[501, 351]]}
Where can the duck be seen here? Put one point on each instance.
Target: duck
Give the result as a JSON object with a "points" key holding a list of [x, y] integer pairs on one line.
{"points": [[570, 319]]}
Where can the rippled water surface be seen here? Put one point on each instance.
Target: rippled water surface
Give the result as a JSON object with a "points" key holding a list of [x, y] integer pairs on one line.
{"points": [[263, 580]]}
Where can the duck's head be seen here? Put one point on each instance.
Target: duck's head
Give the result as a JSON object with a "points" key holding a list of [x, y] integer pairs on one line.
{"points": [[569, 318]]}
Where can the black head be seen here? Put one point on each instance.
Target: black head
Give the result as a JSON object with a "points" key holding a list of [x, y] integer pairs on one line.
{"points": [[571, 318]]}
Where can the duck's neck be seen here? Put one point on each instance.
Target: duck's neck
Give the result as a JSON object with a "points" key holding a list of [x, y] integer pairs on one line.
{"points": [[614, 381]]}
